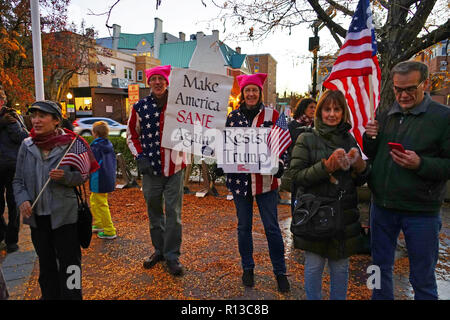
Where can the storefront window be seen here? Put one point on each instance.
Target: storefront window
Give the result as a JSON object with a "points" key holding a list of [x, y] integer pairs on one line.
{"points": [[83, 105]]}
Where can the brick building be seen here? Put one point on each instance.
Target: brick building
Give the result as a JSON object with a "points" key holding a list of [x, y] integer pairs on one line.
{"points": [[436, 57], [265, 63]]}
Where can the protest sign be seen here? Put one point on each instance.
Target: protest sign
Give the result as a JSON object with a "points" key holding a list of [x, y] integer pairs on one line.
{"points": [[245, 150], [196, 109]]}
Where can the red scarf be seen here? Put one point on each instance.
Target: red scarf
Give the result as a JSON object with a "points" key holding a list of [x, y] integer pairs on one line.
{"points": [[52, 139]]}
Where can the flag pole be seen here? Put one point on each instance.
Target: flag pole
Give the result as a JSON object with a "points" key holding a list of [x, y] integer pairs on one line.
{"points": [[48, 180], [372, 104]]}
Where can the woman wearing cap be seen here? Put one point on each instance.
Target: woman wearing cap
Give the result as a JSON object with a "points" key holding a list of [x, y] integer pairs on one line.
{"points": [[264, 188], [53, 219], [326, 162]]}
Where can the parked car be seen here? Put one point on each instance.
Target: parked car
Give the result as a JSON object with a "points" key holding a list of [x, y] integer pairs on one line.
{"points": [[83, 126]]}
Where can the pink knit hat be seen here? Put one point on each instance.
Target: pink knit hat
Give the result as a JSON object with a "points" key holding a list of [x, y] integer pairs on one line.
{"points": [[256, 79], [161, 70]]}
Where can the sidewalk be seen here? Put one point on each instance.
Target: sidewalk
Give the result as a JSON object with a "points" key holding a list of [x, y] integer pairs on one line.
{"points": [[18, 266], [112, 269]]}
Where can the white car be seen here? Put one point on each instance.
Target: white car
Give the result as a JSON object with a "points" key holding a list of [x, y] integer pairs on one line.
{"points": [[83, 126]]}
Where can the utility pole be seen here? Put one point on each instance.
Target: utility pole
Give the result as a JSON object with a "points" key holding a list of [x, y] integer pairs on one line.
{"points": [[314, 46]]}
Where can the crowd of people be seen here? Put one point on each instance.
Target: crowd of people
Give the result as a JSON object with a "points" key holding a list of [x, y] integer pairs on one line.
{"points": [[323, 162]]}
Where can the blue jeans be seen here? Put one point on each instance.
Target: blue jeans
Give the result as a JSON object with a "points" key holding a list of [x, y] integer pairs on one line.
{"points": [[422, 242], [314, 265], [267, 204]]}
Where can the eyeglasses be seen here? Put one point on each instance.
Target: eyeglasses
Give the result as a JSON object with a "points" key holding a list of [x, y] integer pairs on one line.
{"points": [[409, 90]]}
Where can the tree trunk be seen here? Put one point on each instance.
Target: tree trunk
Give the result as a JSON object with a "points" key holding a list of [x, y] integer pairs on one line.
{"points": [[386, 92]]}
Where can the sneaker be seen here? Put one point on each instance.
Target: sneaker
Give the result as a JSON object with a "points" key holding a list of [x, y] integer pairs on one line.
{"points": [[175, 267], [96, 229], [10, 248], [154, 259], [283, 283], [248, 278], [102, 235]]}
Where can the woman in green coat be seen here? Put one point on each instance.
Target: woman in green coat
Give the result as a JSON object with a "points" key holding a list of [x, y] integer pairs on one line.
{"points": [[326, 162]]}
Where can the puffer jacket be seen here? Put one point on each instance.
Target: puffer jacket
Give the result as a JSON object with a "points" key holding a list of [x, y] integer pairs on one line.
{"points": [[425, 130], [58, 199], [104, 179], [309, 176]]}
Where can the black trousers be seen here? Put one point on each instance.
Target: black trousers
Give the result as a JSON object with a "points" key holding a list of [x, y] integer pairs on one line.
{"points": [[8, 231], [59, 255]]}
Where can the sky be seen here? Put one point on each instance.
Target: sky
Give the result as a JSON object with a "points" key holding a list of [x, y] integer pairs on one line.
{"points": [[190, 16]]}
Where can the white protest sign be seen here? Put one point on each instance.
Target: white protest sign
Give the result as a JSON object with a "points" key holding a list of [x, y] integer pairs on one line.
{"points": [[245, 150], [196, 108]]}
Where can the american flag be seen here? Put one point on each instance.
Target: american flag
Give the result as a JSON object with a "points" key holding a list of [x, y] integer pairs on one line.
{"points": [[80, 157], [279, 138], [356, 62]]}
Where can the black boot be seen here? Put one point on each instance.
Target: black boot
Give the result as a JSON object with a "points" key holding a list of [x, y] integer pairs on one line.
{"points": [[283, 283], [247, 278]]}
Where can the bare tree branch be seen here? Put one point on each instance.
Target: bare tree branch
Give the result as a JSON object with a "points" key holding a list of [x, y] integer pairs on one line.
{"points": [[428, 40], [326, 19], [418, 21], [384, 4], [341, 8]]}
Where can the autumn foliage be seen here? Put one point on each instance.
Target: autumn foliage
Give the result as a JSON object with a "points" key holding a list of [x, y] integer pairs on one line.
{"points": [[66, 51]]}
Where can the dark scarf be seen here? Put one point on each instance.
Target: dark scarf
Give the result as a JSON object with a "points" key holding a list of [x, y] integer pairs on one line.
{"points": [[250, 114], [336, 135], [306, 121], [50, 140], [161, 102]]}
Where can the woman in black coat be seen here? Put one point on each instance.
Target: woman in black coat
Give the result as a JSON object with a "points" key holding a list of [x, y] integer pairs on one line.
{"points": [[326, 162]]}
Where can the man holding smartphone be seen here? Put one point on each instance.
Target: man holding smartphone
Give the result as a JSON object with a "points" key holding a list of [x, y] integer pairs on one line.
{"points": [[408, 187]]}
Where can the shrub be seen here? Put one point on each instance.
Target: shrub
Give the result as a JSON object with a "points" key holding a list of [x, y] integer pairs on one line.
{"points": [[120, 146]]}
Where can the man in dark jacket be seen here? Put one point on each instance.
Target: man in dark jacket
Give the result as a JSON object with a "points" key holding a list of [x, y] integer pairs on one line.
{"points": [[408, 187], [11, 135]]}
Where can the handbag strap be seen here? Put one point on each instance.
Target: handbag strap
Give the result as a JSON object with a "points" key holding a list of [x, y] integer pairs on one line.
{"points": [[79, 191]]}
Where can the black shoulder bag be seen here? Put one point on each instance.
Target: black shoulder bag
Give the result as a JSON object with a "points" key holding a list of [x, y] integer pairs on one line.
{"points": [[84, 223], [317, 218]]}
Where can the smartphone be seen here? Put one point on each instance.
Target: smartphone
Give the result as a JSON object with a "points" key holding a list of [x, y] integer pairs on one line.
{"points": [[396, 146]]}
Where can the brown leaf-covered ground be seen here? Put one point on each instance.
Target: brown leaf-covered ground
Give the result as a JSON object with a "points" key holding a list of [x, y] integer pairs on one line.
{"points": [[112, 269]]}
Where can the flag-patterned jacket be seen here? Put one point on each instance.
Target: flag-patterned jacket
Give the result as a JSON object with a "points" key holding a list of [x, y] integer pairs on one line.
{"points": [[238, 183], [144, 136]]}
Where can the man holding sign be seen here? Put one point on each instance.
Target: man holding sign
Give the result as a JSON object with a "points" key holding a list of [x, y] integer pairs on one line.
{"points": [[252, 113], [162, 170]]}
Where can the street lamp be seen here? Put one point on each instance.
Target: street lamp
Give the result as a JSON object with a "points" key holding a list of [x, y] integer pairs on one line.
{"points": [[69, 96]]}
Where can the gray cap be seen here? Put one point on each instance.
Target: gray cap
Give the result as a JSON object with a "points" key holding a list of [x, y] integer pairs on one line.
{"points": [[46, 106]]}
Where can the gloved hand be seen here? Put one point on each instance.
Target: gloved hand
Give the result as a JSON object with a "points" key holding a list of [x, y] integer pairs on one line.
{"points": [[356, 160], [219, 172], [280, 171], [143, 165], [336, 161]]}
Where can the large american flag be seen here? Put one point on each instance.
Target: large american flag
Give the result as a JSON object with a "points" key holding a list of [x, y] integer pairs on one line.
{"points": [[80, 157], [356, 62], [279, 138]]}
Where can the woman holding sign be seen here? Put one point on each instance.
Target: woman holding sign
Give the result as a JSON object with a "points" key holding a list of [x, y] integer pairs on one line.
{"points": [[326, 164], [245, 187]]}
